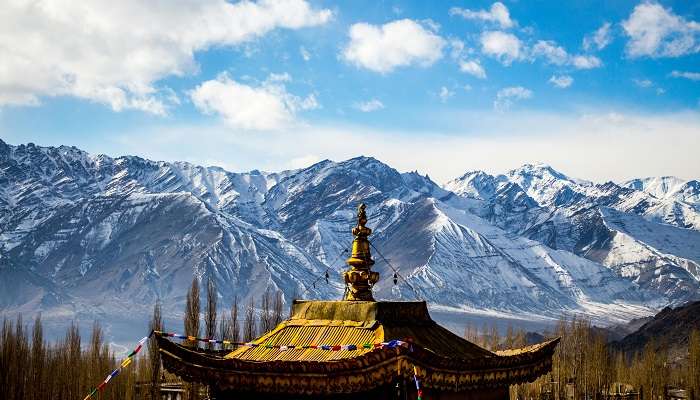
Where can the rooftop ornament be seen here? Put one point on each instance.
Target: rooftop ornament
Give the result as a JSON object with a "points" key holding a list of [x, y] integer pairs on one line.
{"points": [[360, 278]]}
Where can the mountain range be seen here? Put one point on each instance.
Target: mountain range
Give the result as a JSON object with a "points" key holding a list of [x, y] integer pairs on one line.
{"points": [[86, 236]]}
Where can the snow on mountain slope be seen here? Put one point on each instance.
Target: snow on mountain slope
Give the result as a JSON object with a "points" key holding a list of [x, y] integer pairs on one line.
{"points": [[455, 258], [315, 207], [660, 257], [474, 184], [36, 181], [547, 186], [450, 264], [551, 188], [79, 232], [580, 217], [111, 255], [668, 187], [85, 235]]}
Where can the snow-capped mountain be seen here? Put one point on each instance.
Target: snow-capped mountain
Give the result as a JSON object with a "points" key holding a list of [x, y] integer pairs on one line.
{"points": [[654, 240], [668, 187], [89, 236]]}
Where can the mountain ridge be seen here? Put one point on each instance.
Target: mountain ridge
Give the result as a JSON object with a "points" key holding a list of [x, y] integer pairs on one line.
{"points": [[529, 242]]}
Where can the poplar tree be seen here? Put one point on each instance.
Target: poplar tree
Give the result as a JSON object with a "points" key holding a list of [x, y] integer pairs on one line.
{"points": [[210, 312], [235, 334], [249, 327], [192, 311], [693, 374], [192, 328], [156, 324], [277, 309]]}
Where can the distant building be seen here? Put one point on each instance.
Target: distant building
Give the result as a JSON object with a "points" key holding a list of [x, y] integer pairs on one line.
{"points": [[169, 390], [333, 349]]}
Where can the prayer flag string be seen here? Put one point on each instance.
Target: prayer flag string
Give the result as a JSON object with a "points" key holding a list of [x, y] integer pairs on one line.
{"points": [[328, 347], [125, 363], [391, 344], [418, 388]]}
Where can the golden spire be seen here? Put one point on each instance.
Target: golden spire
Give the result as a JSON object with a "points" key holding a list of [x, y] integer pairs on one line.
{"points": [[360, 277]]}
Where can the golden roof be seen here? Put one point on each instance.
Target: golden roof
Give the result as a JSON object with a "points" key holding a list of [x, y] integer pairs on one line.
{"points": [[355, 322], [443, 360]]}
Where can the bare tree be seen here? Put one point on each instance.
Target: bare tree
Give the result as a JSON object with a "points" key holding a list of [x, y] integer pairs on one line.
{"points": [[210, 312], [192, 311], [266, 311], [38, 360], [72, 362], [156, 324], [277, 309], [235, 334], [192, 328], [225, 328], [693, 374], [249, 326], [494, 338]]}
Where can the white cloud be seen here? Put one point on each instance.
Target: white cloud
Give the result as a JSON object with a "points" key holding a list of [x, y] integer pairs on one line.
{"points": [[507, 96], [266, 107], [369, 106], [283, 77], [472, 67], [305, 54], [693, 76], [648, 84], [586, 62], [655, 31], [557, 55], [461, 55], [497, 14], [432, 25], [395, 44], [599, 39], [444, 94], [505, 47], [307, 103], [643, 83], [115, 53], [561, 81], [551, 51], [456, 48]]}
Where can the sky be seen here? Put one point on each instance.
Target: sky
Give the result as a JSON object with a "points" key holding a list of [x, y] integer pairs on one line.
{"points": [[600, 90]]}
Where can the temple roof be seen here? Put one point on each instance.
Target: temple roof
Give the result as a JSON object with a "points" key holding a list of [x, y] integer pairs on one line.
{"points": [[356, 322], [444, 360]]}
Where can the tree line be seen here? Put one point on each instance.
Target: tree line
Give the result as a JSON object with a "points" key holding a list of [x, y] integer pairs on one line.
{"points": [[587, 366], [69, 368], [31, 368]]}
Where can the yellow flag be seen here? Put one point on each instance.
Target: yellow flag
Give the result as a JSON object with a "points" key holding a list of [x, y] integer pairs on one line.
{"points": [[126, 362]]}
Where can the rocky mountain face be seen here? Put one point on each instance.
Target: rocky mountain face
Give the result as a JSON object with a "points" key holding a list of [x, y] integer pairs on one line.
{"points": [[90, 236], [653, 241], [670, 328]]}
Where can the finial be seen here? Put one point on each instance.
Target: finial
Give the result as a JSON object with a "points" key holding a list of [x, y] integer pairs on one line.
{"points": [[360, 277]]}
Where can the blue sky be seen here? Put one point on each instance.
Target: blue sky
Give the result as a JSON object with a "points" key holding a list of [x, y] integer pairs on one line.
{"points": [[600, 90]]}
